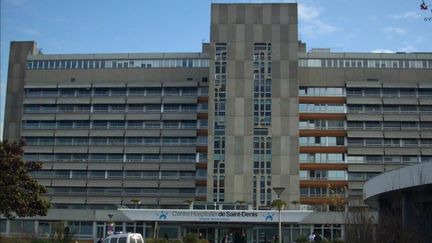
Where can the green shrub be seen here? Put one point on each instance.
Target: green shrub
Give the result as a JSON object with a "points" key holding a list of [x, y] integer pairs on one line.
{"points": [[14, 240], [159, 240], [302, 239], [175, 241], [190, 238], [337, 241], [40, 241]]}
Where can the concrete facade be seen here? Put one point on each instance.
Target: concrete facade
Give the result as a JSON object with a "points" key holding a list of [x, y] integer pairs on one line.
{"points": [[241, 28], [84, 112], [218, 129]]}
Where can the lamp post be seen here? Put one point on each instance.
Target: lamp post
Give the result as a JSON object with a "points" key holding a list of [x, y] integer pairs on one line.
{"points": [[279, 191], [135, 201], [110, 225]]}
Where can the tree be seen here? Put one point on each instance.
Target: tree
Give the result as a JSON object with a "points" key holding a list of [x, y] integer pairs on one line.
{"points": [[360, 226], [62, 233], [278, 204], [20, 194]]}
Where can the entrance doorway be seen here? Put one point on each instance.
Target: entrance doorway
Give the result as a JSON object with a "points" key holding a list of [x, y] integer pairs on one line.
{"points": [[223, 234]]}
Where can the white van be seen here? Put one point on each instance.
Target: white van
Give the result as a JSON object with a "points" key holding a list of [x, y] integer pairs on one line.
{"points": [[125, 238]]}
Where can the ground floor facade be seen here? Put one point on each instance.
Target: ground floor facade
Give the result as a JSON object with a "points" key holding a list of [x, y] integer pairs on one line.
{"points": [[215, 225]]}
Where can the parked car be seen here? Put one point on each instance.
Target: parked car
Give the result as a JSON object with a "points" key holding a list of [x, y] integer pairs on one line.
{"points": [[124, 238]]}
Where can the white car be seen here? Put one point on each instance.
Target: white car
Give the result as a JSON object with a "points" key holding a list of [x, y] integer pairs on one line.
{"points": [[125, 238]]}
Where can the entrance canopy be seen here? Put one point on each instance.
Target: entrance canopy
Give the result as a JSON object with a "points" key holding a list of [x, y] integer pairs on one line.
{"points": [[187, 215]]}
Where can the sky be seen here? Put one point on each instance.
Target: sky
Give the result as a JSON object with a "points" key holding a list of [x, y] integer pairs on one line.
{"points": [[110, 26]]}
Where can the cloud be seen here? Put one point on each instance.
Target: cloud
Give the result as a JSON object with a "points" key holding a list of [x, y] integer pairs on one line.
{"points": [[382, 51], [311, 24], [307, 13], [27, 32], [406, 15], [394, 30], [408, 48]]}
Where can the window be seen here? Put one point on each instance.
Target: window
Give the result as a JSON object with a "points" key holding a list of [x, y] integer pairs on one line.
{"points": [[425, 109], [408, 109], [392, 142], [114, 174], [355, 159], [335, 124], [118, 108], [133, 174], [372, 109], [49, 92], [134, 141], [188, 108], [81, 124], [169, 175], [409, 125], [97, 174], [138, 108], [188, 124], [118, 92], [410, 159], [171, 91], [426, 142], [189, 91], [354, 92], [47, 124], [390, 109], [65, 108], [355, 109], [392, 159], [171, 108], [355, 125], [100, 124], [152, 124], [115, 157], [410, 142], [64, 141], [136, 91], [100, 108], [82, 108], [153, 108], [407, 92], [116, 141], [98, 157], [373, 142], [117, 124], [81, 141], [373, 125], [425, 92], [171, 124], [133, 157], [355, 142], [426, 125], [390, 92], [67, 92], [83, 92], [134, 124], [153, 92], [372, 92], [336, 175], [373, 158], [101, 92], [391, 125]]}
